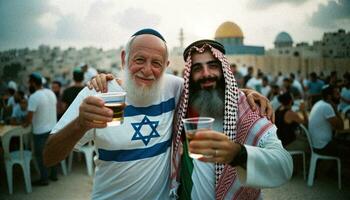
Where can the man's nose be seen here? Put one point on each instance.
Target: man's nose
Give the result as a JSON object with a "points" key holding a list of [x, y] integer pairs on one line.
{"points": [[147, 69], [206, 71]]}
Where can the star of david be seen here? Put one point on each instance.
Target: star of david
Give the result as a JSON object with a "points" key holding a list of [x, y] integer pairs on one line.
{"points": [[145, 138]]}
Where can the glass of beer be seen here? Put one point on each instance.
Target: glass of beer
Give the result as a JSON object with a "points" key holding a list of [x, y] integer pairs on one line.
{"points": [[116, 102], [191, 126]]}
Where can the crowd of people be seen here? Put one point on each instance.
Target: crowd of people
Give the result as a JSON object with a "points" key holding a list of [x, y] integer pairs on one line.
{"points": [[40, 107], [318, 101], [245, 151]]}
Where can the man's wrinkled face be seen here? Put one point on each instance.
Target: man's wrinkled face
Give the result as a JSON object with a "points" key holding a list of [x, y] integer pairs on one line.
{"points": [[206, 70], [147, 60], [144, 69]]}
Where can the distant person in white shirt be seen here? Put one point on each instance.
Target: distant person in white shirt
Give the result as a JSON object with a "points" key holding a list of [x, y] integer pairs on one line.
{"points": [[89, 72], [265, 88], [19, 112], [11, 103], [42, 116], [255, 83], [323, 120], [295, 83]]}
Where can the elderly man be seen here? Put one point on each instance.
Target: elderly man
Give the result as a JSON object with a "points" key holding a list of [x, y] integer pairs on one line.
{"points": [[133, 158], [242, 153]]}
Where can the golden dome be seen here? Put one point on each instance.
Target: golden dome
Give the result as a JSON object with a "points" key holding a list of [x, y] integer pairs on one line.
{"points": [[228, 30]]}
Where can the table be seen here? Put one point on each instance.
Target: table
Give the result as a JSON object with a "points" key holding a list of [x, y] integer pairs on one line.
{"points": [[6, 128], [344, 134]]}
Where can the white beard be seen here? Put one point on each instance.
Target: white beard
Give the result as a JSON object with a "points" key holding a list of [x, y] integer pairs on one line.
{"points": [[141, 95]]}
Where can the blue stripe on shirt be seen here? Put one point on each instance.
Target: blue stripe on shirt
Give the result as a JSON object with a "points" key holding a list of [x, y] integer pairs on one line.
{"points": [[133, 154], [153, 110]]}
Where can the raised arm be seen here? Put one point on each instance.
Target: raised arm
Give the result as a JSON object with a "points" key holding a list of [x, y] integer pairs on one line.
{"points": [[92, 114]]}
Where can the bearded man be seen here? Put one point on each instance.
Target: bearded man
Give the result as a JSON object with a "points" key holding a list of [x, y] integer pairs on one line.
{"points": [[323, 120], [242, 153], [133, 159]]}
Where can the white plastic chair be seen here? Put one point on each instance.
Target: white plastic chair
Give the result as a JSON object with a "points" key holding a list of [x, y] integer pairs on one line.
{"points": [[313, 161], [302, 153], [21, 157], [88, 151]]}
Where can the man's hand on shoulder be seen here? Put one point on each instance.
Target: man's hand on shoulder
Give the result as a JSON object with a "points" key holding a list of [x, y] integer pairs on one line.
{"points": [[254, 98]]}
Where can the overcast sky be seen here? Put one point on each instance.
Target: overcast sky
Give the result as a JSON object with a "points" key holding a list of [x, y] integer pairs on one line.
{"points": [[109, 23]]}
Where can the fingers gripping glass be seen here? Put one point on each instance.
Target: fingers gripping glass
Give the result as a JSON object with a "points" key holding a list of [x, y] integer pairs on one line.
{"points": [[116, 102], [191, 126]]}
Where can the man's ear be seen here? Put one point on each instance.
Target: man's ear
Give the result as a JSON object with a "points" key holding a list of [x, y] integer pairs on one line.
{"points": [[167, 63], [123, 56]]}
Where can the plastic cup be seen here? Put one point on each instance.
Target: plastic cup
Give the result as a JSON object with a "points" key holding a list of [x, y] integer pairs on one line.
{"points": [[116, 102], [192, 125]]}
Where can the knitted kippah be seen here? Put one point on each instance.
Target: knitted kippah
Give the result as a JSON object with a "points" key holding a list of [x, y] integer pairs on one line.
{"points": [[149, 31]]}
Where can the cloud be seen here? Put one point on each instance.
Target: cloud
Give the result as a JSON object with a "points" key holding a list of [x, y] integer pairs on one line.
{"points": [[335, 14], [261, 4], [20, 21], [69, 27], [135, 18]]}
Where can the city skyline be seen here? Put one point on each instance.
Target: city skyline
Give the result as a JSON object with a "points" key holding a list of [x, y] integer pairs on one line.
{"points": [[108, 24]]}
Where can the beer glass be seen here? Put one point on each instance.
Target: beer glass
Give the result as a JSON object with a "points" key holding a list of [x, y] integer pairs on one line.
{"points": [[116, 102], [191, 125]]}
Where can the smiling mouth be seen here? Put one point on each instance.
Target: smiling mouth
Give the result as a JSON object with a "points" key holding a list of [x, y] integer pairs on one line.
{"points": [[208, 84], [144, 80]]}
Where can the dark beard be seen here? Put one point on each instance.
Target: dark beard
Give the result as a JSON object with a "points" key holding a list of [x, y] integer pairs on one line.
{"points": [[336, 101], [31, 89], [196, 86], [57, 95], [208, 102]]}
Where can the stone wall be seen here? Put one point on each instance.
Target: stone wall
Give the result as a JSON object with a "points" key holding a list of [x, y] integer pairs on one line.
{"points": [[272, 64]]}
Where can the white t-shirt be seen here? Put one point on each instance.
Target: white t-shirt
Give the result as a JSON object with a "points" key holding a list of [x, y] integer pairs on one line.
{"points": [[319, 127], [19, 114], [89, 74], [133, 159], [265, 90], [298, 85], [43, 105], [11, 101], [255, 84]]}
